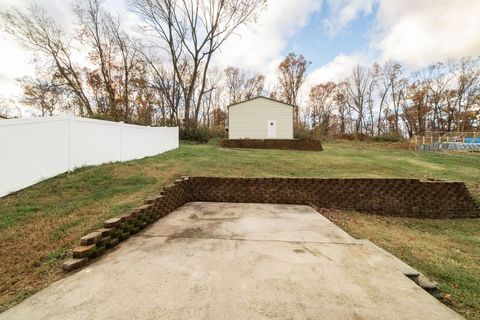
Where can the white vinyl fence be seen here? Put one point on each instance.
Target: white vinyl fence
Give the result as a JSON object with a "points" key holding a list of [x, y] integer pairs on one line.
{"points": [[35, 149]]}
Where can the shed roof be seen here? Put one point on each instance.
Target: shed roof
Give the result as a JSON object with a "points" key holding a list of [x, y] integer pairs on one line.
{"points": [[260, 97]]}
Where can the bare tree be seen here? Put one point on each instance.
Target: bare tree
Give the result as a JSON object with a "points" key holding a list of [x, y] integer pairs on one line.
{"points": [[94, 32], [393, 71], [254, 86], [241, 85], [193, 31], [38, 33], [129, 51], [357, 94], [234, 83]]}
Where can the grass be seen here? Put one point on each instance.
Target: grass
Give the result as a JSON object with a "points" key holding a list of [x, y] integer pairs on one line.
{"points": [[39, 225]]}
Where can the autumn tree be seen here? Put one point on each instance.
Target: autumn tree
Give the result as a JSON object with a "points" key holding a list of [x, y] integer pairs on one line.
{"points": [[340, 99], [41, 95], [414, 109], [467, 91], [321, 102], [291, 74]]}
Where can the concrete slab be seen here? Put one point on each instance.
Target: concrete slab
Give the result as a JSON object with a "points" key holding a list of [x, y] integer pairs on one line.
{"points": [[252, 221], [230, 268], [390, 260]]}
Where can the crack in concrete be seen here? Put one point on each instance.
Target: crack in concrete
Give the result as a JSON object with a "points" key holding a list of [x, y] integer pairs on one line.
{"points": [[247, 239]]}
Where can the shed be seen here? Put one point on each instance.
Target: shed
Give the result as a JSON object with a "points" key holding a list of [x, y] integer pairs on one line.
{"points": [[260, 118]]}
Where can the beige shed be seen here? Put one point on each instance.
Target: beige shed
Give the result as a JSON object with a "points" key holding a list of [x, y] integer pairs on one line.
{"points": [[260, 118]]}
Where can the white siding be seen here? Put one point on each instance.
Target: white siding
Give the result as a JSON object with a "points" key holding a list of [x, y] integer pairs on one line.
{"points": [[249, 119]]}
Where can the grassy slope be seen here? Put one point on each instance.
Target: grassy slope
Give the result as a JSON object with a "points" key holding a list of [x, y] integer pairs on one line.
{"points": [[40, 224]]}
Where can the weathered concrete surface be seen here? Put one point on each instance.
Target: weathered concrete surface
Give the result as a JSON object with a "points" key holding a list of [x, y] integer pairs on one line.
{"points": [[236, 261]]}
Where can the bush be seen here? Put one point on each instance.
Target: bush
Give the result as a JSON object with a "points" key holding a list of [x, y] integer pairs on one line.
{"points": [[388, 137], [302, 133], [202, 134], [198, 134]]}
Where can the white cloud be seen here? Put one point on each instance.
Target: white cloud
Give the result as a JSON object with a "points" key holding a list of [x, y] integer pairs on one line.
{"points": [[259, 47], [342, 12], [337, 69], [427, 31]]}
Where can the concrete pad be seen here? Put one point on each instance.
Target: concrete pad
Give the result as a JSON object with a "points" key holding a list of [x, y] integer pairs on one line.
{"points": [[258, 274], [390, 260], [252, 221]]}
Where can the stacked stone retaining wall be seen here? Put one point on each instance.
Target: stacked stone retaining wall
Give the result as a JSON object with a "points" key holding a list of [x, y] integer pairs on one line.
{"points": [[389, 197]]}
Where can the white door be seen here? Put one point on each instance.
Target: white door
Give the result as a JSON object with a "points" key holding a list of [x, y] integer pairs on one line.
{"points": [[272, 129]]}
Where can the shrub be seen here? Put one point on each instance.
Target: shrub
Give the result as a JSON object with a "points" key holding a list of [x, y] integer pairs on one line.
{"points": [[388, 137], [202, 134], [199, 134], [302, 133]]}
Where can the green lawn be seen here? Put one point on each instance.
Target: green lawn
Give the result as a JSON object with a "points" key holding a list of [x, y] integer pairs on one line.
{"points": [[40, 224]]}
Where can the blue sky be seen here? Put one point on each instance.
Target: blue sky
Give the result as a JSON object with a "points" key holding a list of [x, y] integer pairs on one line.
{"points": [[319, 47]]}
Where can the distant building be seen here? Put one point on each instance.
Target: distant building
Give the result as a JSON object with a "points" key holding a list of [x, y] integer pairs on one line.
{"points": [[260, 118]]}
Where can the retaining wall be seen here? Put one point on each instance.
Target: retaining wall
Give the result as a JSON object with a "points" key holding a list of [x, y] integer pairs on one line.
{"points": [[389, 197], [300, 145]]}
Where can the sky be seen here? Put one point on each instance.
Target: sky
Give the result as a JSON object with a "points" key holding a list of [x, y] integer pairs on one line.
{"points": [[334, 35]]}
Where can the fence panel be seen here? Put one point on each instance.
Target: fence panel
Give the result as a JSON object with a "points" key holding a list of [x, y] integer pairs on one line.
{"points": [[35, 149]]}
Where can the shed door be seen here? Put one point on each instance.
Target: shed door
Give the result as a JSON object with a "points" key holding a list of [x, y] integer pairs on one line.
{"points": [[272, 129]]}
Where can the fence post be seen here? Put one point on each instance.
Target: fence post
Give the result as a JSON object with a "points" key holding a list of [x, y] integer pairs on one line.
{"points": [[178, 137]]}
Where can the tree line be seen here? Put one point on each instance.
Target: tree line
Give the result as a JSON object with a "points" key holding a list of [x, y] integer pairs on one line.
{"points": [[383, 99], [162, 74]]}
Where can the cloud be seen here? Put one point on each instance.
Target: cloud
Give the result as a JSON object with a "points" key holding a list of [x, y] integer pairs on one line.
{"points": [[428, 31], [260, 47], [337, 69], [342, 12]]}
